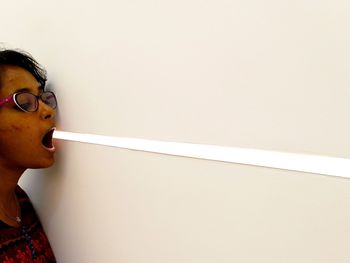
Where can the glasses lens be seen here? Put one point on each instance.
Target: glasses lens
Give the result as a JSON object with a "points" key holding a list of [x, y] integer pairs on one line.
{"points": [[26, 101], [49, 98]]}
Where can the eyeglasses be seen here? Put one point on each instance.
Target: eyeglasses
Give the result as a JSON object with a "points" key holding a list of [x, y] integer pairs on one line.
{"points": [[28, 102]]}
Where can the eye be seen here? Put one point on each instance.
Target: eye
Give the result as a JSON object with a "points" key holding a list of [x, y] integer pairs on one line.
{"points": [[26, 105], [16, 108], [26, 101]]}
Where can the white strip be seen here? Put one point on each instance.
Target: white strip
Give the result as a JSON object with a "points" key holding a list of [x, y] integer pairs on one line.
{"points": [[288, 161]]}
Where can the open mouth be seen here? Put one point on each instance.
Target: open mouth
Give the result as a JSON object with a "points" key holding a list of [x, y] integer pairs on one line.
{"points": [[47, 140]]}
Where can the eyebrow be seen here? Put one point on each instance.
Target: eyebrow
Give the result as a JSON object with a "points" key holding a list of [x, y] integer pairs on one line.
{"points": [[40, 89]]}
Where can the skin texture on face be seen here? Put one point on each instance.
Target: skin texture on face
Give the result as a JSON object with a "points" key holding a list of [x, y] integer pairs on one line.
{"points": [[21, 133]]}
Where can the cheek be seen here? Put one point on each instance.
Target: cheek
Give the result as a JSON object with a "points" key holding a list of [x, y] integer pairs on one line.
{"points": [[16, 135], [12, 128], [11, 132], [22, 131], [15, 128]]}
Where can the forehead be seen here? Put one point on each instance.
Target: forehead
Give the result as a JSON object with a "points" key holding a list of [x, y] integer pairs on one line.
{"points": [[14, 78]]}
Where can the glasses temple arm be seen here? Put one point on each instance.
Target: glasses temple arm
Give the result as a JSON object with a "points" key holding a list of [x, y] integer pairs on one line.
{"points": [[6, 100]]}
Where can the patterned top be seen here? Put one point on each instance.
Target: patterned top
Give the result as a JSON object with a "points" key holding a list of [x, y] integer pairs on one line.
{"points": [[27, 243]]}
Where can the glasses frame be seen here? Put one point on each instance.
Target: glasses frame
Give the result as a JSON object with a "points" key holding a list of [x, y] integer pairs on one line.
{"points": [[12, 98]]}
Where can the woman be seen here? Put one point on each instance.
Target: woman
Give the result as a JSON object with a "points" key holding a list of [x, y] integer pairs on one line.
{"points": [[27, 124]]}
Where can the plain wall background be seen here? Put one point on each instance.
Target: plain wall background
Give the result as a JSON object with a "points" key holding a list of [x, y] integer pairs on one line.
{"points": [[102, 204], [263, 74]]}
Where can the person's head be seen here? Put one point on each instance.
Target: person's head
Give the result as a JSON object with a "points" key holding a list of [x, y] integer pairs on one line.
{"points": [[27, 113], [25, 61]]}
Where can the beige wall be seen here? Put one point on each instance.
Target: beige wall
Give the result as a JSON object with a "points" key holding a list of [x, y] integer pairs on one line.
{"points": [[102, 204], [260, 74]]}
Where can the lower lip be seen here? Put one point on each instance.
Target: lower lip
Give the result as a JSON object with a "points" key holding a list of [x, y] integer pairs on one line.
{"points": [[52, 149]]}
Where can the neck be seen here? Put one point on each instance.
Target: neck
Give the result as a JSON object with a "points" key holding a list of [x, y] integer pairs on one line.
{"points": [[9, 177], [9, 181]]}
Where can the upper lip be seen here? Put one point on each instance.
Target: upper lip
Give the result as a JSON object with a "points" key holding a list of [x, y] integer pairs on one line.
{"points": [[49, 130]]}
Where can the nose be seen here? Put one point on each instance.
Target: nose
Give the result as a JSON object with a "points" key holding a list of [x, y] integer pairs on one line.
{"points": [[46, 112]]}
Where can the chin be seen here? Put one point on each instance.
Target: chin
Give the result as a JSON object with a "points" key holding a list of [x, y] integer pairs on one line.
{"points": [[43, 164]]}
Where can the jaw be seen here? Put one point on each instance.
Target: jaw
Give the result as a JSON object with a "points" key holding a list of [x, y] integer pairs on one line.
{"points": [[42, 162]]}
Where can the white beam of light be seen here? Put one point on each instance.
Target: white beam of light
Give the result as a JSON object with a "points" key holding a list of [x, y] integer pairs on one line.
{"points": [[280, 160]]}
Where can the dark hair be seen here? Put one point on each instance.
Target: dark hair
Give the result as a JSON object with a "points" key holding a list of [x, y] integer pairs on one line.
{"points": [[25, 61]]}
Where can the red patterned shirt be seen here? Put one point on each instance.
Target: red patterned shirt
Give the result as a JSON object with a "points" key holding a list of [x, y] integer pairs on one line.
{"points": [[27, 243]]}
